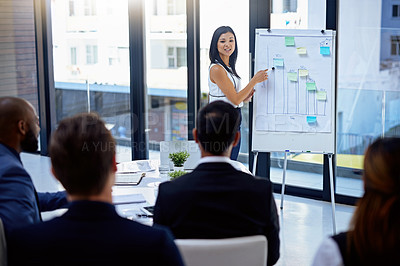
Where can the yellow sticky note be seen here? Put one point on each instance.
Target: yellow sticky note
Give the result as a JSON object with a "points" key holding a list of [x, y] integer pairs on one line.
{"points": [[303, 72], [321, 95], [292, 76], [301, 50]]}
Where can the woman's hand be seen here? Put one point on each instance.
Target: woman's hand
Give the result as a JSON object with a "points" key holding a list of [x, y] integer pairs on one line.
{"points": [[248, 98], [261, 76]]}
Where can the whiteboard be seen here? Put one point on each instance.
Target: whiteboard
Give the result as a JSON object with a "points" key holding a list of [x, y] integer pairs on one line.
{"points": [[295, 109]]}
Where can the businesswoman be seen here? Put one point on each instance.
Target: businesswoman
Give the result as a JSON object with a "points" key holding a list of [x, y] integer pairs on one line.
{"points": [[374, 235], [223, 80]]}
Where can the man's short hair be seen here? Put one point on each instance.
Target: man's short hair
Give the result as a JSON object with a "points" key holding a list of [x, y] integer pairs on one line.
{"points": [[217, 124], [82, 151]]}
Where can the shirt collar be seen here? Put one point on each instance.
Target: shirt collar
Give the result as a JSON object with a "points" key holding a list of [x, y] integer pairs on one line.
{"points": [[223, 159], [214, 159]]}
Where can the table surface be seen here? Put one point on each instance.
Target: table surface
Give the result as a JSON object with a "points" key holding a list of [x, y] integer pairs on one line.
{"points": [[148, 187]]}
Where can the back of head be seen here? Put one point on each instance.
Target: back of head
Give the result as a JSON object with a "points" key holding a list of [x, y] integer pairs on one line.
{"points": [[375, 224], [12, 110], [82, 154], [217, 124]]}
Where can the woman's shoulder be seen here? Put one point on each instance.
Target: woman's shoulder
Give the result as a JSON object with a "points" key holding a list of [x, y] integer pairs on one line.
{"points": [[216, 68]]}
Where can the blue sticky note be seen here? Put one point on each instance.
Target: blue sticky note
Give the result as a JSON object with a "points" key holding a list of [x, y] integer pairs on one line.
{"points": [[325, 50], [311, 119], [278, 62]]}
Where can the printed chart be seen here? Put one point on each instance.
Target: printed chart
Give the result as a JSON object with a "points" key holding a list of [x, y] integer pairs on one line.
{"points": [[298, 95]]}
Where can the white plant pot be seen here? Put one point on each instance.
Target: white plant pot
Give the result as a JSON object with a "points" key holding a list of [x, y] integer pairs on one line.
{"points": [[178, 168]]}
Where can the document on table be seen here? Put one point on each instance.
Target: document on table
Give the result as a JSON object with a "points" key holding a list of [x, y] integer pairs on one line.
{"points": [[132, 179], [128, 199], [135, 166]]}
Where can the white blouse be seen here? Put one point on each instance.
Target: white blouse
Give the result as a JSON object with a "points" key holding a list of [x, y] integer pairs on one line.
{"points": [[328, 254], [215, 92]]}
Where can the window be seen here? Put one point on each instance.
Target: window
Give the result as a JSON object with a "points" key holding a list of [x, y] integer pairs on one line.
{"points": [[71, 8], [166, 78], [368, 106], [176, 7], [73, 55], [396, 11], [90, 8], [176, 57], [395, 45], [84, 79], [91, 54]]}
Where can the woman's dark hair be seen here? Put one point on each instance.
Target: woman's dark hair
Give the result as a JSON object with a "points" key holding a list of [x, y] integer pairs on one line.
{"points": [[375, 230], [214, 54]]}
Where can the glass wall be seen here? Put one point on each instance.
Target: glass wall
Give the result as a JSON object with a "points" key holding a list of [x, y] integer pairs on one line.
{"points": [[368, 83], [91, 64], [235, 14], [166, 69], [303, 169]]}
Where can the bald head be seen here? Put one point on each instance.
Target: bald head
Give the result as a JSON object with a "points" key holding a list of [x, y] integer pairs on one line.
{"points": [[18, 124]]}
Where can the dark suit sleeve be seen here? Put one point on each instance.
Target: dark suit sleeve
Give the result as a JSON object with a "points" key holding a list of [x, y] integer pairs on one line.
{"points": [[272, 230], [159, 218], [170, 255], [17, 199], [52, 201]]}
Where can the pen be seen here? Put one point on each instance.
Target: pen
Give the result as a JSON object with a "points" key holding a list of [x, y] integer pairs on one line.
{"points": [[144, 215]]}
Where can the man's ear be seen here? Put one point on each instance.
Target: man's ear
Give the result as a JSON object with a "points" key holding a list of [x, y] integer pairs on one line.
{"points": [[237, 138], [114, 164], [194, 132], [22, 127]]}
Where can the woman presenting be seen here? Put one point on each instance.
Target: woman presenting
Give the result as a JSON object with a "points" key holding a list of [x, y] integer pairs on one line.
{"points": [[223, 80]]}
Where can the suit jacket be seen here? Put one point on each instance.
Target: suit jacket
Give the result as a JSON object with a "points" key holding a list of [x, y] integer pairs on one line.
{"points": [[217, 201], [92, 233], [20, 205]]}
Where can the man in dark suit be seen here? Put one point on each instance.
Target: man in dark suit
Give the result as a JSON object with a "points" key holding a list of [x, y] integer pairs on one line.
{"points": [[91, 232], [216, 200], [20, 205]]}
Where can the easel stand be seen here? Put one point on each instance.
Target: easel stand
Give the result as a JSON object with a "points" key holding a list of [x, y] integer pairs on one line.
{"points": [[284, 183]]}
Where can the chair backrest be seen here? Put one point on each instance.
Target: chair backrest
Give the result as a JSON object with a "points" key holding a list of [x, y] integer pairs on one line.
{"points": [[238, 251], [3, 246], [167, 147]]}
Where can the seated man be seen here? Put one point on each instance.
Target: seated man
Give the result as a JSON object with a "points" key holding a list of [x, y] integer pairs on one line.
{"points": [[20, 204], [91, 232], [216, 200]]}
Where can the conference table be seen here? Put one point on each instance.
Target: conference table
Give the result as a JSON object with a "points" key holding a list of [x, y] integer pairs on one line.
{"points": [[129, 199]]}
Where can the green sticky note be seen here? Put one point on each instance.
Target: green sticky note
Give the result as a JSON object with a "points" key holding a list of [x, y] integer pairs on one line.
{"points": [[301, 50], [311, 86], [321, 95], [278, 62], [311, 119], [292, 76], [289, 41], [325, 50], [303, 72]]}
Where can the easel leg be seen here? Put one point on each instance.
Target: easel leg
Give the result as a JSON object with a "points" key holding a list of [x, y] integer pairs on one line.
{"points": [[332, 193], [283, 180], [255, 162]]}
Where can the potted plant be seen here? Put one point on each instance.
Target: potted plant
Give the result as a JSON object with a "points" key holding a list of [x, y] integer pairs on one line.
{"points": [[176, 174], [178, 159]]}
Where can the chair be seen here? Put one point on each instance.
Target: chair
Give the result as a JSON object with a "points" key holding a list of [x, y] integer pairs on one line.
{"points": [[3, 246], [238, 251]]}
